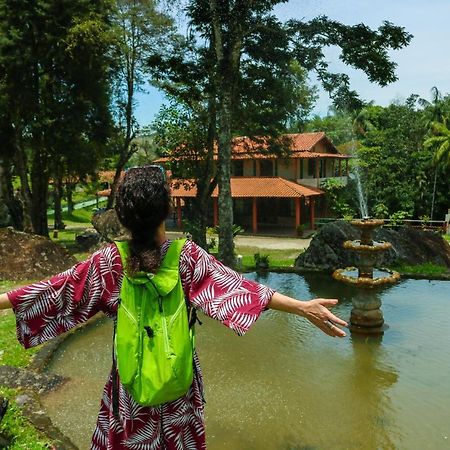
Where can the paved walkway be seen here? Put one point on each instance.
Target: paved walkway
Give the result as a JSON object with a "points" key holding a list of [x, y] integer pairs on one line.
{"points": [[263, 242]]}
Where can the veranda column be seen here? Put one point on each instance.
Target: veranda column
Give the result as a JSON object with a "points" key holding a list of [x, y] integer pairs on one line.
{"points": [[317, 170], [216, 211], [297, 212], [312, 206], [255, 216], [340, 168], [179, 217], [346, 167]]}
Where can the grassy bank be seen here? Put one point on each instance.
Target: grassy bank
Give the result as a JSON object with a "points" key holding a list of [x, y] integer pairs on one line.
{"points": [[421, 269], [277, 258], [14, 426]]}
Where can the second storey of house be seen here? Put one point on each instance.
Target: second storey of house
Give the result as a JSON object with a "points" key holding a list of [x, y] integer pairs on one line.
{"points": [[308, 159]]}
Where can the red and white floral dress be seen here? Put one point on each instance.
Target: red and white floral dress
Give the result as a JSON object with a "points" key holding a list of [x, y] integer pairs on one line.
{"points": [[48, 308]]}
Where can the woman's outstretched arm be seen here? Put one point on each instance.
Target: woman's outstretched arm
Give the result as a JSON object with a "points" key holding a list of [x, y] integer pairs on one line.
{"points": [[316, 311], [4, 302], [51, 307]]}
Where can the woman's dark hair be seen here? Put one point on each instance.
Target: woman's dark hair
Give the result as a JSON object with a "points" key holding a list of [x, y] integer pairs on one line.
{"points": [[142, 204]]}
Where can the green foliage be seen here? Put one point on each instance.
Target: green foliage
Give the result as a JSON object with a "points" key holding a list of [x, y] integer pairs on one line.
{"points": [[397, 219], [54, 92], [261, 261], [440, 143], [236, 229], [338, 127], [396, 168], [339, 197], [300, 229], [425, 220], [380, 211]]}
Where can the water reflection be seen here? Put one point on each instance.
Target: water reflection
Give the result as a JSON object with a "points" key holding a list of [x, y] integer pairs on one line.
{"points": [[371, 383]]}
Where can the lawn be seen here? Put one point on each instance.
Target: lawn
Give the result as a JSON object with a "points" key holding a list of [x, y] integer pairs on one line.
{"points": [[14, 426]]}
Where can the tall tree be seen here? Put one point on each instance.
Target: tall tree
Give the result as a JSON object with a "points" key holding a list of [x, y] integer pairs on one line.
{"points": [[141, 30], [54, 81], [238, 27], [272, 94]]}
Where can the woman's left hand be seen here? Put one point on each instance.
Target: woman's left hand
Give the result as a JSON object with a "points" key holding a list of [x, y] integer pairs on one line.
{"points": [[317, 312]]}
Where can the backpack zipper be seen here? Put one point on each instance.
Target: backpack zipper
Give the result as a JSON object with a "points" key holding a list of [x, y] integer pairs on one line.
{"points": [[180, 307], [130, 316]]}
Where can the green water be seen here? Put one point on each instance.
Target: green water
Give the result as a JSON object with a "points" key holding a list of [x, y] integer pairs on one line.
{"points": [[286, 386]]}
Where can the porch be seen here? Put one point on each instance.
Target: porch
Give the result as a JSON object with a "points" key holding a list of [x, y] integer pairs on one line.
{"points": [[266, 205]]}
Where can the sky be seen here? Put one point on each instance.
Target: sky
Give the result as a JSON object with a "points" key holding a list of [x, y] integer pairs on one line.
{"points": [[421, 65]]}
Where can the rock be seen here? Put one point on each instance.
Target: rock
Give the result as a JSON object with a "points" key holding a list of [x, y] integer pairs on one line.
{"points": [[15, 377], [4, 442], [108, 226], [29, 256], [410, 246], [88, 239]]}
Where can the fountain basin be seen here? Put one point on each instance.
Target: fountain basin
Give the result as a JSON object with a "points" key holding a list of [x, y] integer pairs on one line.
{"points": [[350, 275], [374, 247], [384, 387], [366, 226]]}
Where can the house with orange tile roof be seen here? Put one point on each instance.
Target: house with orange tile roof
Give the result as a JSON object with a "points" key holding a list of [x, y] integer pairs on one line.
{"points": [[273, 191]]}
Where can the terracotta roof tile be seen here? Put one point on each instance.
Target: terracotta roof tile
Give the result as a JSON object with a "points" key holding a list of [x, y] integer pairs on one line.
{"points": [[247, 187], [301, 146]]}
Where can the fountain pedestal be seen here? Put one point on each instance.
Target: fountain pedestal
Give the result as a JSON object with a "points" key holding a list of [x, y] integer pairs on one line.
{"points": [[366, 316]]}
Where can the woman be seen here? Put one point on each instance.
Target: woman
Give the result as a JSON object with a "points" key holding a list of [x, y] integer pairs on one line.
{"points": [[49, 308]]}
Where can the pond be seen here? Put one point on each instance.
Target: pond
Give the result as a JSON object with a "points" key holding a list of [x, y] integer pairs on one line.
{"points": [[287, 386]]}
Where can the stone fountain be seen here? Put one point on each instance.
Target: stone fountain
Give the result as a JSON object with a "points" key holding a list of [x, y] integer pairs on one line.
{"points": [[366, 315]]}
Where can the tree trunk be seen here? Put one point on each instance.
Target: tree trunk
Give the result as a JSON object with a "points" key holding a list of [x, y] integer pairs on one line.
{"points": [[208, 181], [226, 242], [11, 210], [25, 191], [57, 196], [69, 197], [5, 216], [39, 203], [114, 185]]}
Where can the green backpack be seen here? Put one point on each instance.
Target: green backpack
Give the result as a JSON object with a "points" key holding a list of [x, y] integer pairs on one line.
{"points": [[153, 340]]}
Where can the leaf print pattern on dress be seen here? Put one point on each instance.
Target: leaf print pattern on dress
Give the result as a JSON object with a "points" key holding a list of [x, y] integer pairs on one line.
{"points": [[49, 308]]}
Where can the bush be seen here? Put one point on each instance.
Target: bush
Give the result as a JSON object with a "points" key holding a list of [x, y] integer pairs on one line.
{"points": [[261, 261]]}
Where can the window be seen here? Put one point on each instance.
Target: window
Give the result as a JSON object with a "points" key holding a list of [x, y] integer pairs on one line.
{"points": [[322, 169], [266, 168], [238, 168], [311, 167]]}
